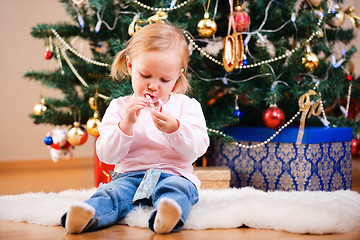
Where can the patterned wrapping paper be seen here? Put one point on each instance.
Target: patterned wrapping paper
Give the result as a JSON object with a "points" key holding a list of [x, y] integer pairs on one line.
{"points": [[286, 166]]}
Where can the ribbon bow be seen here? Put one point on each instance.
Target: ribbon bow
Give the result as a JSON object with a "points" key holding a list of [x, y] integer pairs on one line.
{"points": [[305, 106], [353, 18], [134, 26]]}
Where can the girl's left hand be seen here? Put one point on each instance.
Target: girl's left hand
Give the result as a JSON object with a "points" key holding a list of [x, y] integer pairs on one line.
{"points": [[165, 121]]}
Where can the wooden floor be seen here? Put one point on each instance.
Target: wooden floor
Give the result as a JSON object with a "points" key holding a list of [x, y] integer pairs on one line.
{"points": [[49, 177]]}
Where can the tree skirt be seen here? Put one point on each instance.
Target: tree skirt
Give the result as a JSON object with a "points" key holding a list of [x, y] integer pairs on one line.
{"points": [[298, 212]]}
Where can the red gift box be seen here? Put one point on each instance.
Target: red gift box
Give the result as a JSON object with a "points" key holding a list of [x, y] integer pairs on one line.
{"points": [[102, 174]]}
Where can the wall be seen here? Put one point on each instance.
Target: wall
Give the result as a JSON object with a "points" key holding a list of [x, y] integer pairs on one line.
{"points": [[21, 139]]}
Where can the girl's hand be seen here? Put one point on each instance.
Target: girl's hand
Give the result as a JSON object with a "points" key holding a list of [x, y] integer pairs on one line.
{"points": [[165, 121], [132, 111]]}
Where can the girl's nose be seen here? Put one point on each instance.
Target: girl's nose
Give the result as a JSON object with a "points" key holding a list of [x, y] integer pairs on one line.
{"points": [[153, 85]]}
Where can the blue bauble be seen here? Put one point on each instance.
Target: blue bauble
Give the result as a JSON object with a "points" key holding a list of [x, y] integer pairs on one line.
{"points": [[245, 62], [48, 140], [238, 114]]}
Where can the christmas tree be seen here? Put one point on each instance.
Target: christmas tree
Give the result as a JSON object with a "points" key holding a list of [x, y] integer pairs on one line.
{"points": [[251, 64]]}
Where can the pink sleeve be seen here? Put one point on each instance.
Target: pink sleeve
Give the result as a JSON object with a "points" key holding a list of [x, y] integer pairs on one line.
{"points": [[112, 145], [191, 139]]}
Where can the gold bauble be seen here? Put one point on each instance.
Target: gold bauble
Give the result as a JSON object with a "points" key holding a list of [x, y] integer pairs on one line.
{"points": [[315, 3], [76, 135], [310, 61], [206, 27], [92, 125], [92, 103], [40, 107], [338, 19]]}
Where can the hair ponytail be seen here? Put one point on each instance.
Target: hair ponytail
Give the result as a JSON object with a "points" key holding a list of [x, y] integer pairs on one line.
{"points": [[119, 68]]}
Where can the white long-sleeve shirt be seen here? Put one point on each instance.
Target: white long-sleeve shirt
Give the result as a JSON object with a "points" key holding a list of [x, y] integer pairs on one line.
{"points": [[150, 148]]}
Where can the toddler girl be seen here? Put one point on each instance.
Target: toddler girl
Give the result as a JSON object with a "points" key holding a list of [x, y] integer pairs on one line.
{"points": [[152, 137]]}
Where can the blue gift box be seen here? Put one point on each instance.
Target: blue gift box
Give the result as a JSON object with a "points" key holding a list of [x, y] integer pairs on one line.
{"points": [[321, 162]]}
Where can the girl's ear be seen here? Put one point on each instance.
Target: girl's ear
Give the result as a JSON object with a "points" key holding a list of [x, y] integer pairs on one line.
{"points": [[129, 64]]}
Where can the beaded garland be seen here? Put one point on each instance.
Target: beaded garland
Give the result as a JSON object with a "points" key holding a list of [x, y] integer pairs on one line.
{"points": [[140, 4], [218, 132], [204, 53], [287, 54], [68, 47]]}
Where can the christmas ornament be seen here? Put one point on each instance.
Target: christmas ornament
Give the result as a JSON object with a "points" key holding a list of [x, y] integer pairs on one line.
{"points": [[233, 53], [245, 61], [229, 53], [315, 3], [353, 18], [237, 112], [206, 27], [307, 107], [93, 123], [348, 78], [355, 147], [241, 19], [48, 54], [135, 26], [40, 107], [49, 49], [239, 49], [92, 103], [310, 61], [76, 135], [273, 117], [59, 147], [338, 19], [48, 140]]}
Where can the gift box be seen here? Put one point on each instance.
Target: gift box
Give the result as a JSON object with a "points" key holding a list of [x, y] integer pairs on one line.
{"points": [[210, 177], [321, 162], [213, 177], [102, 171]]}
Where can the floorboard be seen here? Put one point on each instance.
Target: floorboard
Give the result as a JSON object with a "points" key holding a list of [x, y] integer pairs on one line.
{"points": [[16, 180]]}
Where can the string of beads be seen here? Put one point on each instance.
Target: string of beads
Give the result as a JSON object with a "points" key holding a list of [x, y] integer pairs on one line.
{"points": [[68, 47], [222, 134], [287, 54], [155, 9]]}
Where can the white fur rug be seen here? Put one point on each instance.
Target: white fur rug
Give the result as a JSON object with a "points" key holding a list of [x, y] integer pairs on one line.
{"points": [[298, 212]]}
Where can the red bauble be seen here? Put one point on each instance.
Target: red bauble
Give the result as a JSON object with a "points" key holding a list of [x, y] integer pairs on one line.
{"points": [[273, 117], [355, 147], [241, 19], [48, 54], [348, 78]]}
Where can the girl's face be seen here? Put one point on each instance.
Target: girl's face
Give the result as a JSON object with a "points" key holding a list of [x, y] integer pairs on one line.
{"points": [[154, 73]]}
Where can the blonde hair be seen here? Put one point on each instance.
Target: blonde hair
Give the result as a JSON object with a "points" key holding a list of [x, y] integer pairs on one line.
{"points": [[155, 37]]}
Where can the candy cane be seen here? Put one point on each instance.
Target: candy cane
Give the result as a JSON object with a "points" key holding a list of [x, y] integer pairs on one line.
{"points": [[151, 103], [160, 105]]}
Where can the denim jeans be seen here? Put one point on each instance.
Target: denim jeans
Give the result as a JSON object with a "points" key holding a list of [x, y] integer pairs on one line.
{"points": [[113, 201]]}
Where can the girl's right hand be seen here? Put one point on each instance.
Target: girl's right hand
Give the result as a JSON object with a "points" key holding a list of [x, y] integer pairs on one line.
{"points": [[132, 111]]}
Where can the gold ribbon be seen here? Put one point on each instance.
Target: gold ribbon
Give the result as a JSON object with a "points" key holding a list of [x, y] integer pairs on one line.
{"points": [[305, 106], [352, 16], [134, 26]]}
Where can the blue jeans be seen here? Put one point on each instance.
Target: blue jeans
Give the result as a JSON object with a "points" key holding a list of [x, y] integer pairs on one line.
{"points": [[113, 201]]}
